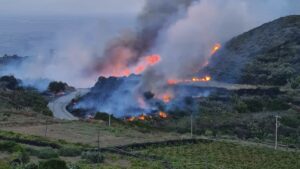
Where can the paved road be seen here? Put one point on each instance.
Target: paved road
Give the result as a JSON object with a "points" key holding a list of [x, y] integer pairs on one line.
{"points": [[58, 106]]}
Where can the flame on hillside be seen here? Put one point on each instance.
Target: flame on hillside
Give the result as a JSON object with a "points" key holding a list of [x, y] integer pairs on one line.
{"points": [[215, 48], [166, 97], [163, 115], [146, 117], [120, 70], [192, 80]]}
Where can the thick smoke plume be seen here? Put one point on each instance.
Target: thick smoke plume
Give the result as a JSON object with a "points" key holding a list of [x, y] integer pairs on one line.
{"points": [[185, 46], [183, 34], [127, 49]]}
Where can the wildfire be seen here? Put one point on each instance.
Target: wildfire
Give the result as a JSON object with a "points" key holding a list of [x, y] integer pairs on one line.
{"points": [[166, 97], [145, 117], [163, 115], [120, 69], [215, 48], [194, 79], [146, 62], [173, 82], [142, 117], [153, 59], [131, 119], [203, 79]]}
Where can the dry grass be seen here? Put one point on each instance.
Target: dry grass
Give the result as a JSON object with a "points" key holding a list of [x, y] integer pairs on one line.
{"points": [[87, 133], [23, 117]]}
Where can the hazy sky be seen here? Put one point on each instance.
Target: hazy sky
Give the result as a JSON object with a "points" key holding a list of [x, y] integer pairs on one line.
{"points": [[69, 7]]}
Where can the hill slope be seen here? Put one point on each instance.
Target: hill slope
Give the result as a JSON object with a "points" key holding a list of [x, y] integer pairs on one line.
{"points": [[269, 54]]}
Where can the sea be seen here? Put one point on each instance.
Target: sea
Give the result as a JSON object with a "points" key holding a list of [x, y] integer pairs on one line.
{"points": [[24, 36]]}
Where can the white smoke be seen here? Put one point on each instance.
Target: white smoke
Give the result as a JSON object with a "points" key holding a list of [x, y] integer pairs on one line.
{"points": [[184, 43], [185, 46], [72, 49]]}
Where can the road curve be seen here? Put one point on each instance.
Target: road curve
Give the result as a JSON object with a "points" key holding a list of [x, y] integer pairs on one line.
{"points": [[58, 106]]}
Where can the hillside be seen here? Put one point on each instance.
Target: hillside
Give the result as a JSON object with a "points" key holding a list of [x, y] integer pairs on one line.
{"points": [[19, 105], [267, 55]]}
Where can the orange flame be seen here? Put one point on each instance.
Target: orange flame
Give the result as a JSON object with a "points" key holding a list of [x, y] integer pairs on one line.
{"points": [[203, 79], [166, 98], [131, 119], [142, 117], [119, 69], [173, 82], [163, 115], [194, 79], [153, 59], [215, 48]]}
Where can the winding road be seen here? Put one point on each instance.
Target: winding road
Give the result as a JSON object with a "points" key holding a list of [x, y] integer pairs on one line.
{"points": [[58, 106]]}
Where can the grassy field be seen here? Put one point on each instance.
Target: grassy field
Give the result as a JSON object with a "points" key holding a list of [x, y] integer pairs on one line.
{"points": [[87, 133], [221, 155], [200, 155]]}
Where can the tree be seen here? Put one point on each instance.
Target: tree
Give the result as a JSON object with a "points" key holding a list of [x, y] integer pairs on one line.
{"points": [[57, 87], [10, 82]]}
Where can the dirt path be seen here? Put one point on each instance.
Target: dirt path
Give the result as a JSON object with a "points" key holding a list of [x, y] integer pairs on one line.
{"points": [[58, 106]]}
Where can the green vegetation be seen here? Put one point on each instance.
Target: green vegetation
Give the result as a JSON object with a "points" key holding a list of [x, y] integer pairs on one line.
{"points": [[57, 87], [19, 98], [93, 157], [46, 153], [9, 82], [70, 151], [53, 164], [217, 155], [278, 66]]}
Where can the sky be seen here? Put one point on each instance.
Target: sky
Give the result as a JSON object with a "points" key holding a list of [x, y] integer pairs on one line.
{"points": [[69, 7]]}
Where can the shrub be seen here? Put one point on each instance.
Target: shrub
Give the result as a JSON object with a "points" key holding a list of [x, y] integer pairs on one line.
{"points": [[10, 146], [69, 151], [57, 87], [53, 164], [277, 104], [47, 153], [241, 107], [4, 165], [295, 83], [93, 157], [31, 166], [10, 82], [105, 117], [254, 104], [19, 157]]}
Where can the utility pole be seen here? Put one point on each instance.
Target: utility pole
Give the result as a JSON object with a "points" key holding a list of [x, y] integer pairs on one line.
{"points": [[109, 119], [191, 124], [46, 129], [276, 132], [98, 140]]}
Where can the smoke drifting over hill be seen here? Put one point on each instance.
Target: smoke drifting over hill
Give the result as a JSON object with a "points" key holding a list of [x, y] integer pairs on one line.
{"points": [[182, 32]]}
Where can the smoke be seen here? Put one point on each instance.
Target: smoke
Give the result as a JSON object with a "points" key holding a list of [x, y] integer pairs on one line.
{"points": [[185, 46], [127, 49], [74, 46], [183, 34]]}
